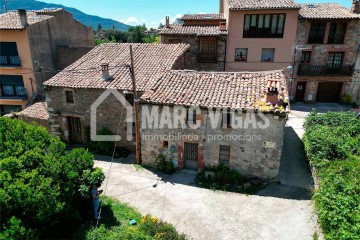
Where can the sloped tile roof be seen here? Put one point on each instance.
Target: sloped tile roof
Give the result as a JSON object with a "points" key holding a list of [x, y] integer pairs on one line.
{"points": [[261, 4], [11, 19], [234, 90], [203, 17], [37, 111], [177, 29], [326, 11], [151, 62]]}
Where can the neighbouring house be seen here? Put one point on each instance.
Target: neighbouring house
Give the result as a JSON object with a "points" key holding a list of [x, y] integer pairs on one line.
{"points": [[205, 33], [328, 43], [35, 114], [253, 150], [355, 81], [261, 34], [71, 92], [29, 40]]}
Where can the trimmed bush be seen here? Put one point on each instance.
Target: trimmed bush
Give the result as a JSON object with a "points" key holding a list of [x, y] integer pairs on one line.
{"points": [[41, 184], [164, 165]]}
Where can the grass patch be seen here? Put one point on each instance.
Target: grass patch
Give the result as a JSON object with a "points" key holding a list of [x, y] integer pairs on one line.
{"points": [[138, 167], [114, 224], [226, 179], [332, 144]]}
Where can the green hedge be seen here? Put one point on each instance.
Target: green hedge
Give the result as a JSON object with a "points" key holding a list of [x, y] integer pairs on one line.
{"points": [[42, 186], [332, 145]]}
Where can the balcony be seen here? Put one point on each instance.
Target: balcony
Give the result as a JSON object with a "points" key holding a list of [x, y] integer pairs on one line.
{"points": [[337, 39], [207, 57], [310, 70], [10, 61]]}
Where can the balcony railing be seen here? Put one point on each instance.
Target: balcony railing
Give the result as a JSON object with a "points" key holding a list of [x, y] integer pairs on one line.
{"points": [[10, 61], [207, 57], [262, 33], [310, 70], [337, 38], [316, 39]]}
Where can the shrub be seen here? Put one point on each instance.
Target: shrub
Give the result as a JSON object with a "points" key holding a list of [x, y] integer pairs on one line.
{"points": [[332, 145], [164, 165], [41, 184], [106, 148], [346, 99], [227, 179]]}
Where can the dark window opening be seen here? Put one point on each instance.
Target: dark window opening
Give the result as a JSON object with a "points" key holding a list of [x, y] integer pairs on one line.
{"points": [[264, 26], [317, 33], [226, 120], [306, 57], [69, 96], [337, 33], [9, 55], [12, 86], [241, 54], [191, 112], [130, 98], [208, 50], [165, 144], [224, 155]]}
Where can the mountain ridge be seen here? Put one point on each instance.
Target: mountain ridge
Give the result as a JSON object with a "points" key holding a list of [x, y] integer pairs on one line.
{"points": [[86, 19]]}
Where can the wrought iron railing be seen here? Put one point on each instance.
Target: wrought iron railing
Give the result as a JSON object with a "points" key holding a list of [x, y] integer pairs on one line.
{"points": [[207, 57], [311, 70]]}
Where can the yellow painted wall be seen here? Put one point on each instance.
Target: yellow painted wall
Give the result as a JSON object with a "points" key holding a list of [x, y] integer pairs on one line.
{"points": [[26, 68]]}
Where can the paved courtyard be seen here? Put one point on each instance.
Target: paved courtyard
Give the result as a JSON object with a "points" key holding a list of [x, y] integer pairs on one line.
{"points": [[280, 211]]}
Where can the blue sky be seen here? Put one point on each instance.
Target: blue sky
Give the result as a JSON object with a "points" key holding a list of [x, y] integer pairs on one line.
{"points": [[152, 12]]}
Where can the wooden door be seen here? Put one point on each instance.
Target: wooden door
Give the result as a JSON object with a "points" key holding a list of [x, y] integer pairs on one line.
{"points": [[328, 91], [300, 91], [191, 156], [75, 131]]}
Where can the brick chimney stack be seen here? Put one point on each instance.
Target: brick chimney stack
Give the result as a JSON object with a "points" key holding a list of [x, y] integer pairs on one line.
{"points": [[105, 71], [356, 6], [167, 22], [221, 7], [23, 18]]}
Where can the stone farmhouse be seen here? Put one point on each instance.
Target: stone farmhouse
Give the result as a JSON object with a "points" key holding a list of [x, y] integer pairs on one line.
{"points": [[252, 150], [317, 43], [30, 39], [70, 93]]}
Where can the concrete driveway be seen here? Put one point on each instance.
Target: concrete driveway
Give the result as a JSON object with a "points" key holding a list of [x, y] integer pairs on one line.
{"points": [[278, 212]]}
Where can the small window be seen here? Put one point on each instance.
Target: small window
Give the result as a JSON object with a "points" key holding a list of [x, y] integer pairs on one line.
{"points": [[69, 96], [193, 112], [165, 144], [305, 57], [130, 98], [268, 54], [226, 120], [241, 54], [224, 155]]}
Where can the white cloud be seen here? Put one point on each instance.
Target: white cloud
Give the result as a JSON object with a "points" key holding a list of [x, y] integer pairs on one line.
{"points": [[133, 21]]}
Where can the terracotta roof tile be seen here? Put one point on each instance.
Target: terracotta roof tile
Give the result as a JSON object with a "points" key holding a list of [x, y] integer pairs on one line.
{"points": [[151, 62], [37, 111], [177, 29], [326, 11], [234, 90], [203, 17], [262, 4], [11, 19]]}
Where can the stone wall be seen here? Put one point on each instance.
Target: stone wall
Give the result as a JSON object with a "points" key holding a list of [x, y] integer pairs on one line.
{"points": [[259, 157], [111, 114], [319, 56], [35, 121], [192, 54]]}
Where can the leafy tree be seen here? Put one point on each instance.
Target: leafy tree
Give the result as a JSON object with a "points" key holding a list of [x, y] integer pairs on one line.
{"points": [[41, 184]]}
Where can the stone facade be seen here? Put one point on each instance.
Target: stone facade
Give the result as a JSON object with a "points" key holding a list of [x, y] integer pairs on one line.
{"points": [[355, 81], [259, 157], [319, 56], [192, 54], [110, 114]]}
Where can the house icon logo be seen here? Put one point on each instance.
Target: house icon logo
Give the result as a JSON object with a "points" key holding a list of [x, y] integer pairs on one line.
{"points": [[129, 117]]}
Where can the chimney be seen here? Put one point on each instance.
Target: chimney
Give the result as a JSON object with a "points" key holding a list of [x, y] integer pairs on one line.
{"points": [[221, 7], [105, 71], [167, 22], [222, 26], [23, 18], [356, 6]]}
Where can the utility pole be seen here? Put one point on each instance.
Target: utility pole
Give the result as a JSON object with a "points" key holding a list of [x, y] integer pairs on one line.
{"points": [[136, 100]]}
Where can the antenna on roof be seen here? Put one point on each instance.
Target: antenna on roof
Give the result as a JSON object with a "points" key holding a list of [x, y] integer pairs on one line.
{"points": [[5, 7]]}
